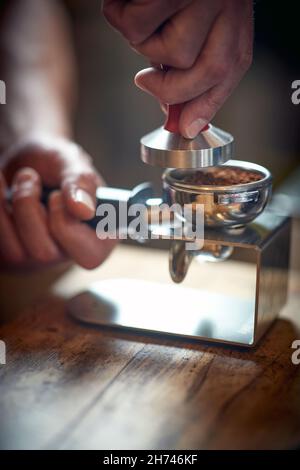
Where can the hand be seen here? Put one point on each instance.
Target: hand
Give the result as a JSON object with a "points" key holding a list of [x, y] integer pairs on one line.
{"points": [[206, 43], [30, 234]]}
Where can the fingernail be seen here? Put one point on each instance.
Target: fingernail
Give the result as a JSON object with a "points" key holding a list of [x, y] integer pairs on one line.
{"points": [[85, 198], [195, 127], [22, 188]]}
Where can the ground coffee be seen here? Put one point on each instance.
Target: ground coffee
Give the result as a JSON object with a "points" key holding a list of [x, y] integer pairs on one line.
{"points": [[218, 176]]}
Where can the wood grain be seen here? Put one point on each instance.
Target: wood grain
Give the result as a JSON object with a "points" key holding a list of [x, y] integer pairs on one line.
{"points": [[66, 385]]}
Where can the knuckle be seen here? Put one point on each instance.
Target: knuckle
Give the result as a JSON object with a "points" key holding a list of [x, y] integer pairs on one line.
{"points": [[87, 179], [245, 60], [179, 61], [213, 104], [217, 70], [183, 60], [42, 255], [128, 25], [132, 32], [88, 176], [110, 14], [169, 53]]}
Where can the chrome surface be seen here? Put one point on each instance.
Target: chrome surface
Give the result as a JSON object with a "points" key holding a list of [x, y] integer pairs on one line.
{"points": [[256, 234], [169, 150], [170, 310], [224, 206], [214, 253], [179, 260], [216, 315], [196, 313], [272, 277]]}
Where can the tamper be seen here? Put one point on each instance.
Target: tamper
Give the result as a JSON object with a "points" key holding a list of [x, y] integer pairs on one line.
{"points": [[166, 148]]}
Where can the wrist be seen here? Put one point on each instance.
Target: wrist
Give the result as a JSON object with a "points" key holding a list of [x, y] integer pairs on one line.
{"points": [[15, 129]]}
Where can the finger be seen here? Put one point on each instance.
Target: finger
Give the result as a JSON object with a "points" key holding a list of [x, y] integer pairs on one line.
{"points": [[77, 239], [138, 20], [79, 192], [199, 112], [222, 53], [51, 158], [30, 217], [39, 154], [11, 249], [174, 86], [79, 181], [179, 42], [60, 163]]}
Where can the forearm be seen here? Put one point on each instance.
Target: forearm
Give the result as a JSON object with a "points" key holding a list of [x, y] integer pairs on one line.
{"points": [[37, 66]]}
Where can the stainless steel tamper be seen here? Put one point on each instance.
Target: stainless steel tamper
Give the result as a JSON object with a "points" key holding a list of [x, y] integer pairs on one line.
{"points": [[166, 147]]}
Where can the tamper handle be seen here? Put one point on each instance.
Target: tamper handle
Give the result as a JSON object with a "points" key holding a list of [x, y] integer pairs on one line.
{"points": [[173, 116]]}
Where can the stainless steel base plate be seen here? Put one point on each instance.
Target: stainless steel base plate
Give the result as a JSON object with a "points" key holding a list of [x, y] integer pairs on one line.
{"points": [[166, 308]]}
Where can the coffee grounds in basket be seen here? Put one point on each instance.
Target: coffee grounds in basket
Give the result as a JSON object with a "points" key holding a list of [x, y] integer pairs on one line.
{"points": [[222, 177]]}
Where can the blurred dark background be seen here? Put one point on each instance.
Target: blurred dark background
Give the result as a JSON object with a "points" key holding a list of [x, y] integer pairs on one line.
{"points": [[113, 114]]}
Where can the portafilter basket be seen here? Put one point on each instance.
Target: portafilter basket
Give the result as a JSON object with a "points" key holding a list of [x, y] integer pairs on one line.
{"points": [[242, 195]]}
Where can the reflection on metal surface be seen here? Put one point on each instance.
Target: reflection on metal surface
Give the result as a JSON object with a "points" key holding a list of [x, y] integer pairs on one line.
{"points": [[170, 150], [272, 269], [254, 234], [179, 260], [224, 206], [214, 253], [166, 308]]}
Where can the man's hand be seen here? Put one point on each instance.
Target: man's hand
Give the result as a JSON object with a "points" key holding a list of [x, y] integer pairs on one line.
{"points": [[31, 234], [207, 45]]}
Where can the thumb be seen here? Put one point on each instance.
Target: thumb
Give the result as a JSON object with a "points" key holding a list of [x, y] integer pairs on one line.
{"points": [[78, 180]]}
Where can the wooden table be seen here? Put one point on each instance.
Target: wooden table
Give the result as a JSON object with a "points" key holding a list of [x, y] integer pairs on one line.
{"points": [[66, 385]]}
